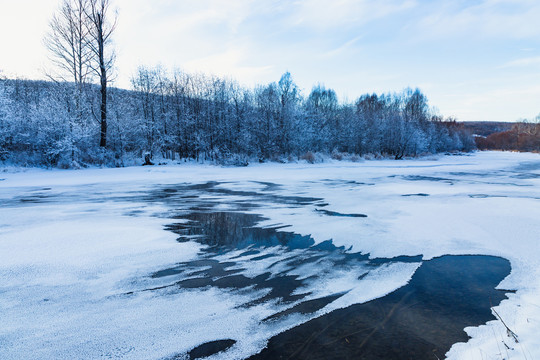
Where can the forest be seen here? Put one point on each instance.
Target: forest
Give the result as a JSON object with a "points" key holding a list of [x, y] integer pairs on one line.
{"points": [[194, 116]]}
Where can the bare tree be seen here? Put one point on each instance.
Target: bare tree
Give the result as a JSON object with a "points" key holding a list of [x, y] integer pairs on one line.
{"points": [[67, 42], [100, 31]]}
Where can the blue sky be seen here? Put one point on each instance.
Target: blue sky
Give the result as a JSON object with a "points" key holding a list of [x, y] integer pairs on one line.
{"points": [[475, 60]]}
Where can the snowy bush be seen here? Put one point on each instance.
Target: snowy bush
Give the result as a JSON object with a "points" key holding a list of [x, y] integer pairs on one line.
{"points": [[309, 157]]}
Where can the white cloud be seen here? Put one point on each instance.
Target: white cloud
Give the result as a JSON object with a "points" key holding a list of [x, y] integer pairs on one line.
{"points": [[180, 16], [322, 15], [502, 19], [227, 63], [342, 48]]}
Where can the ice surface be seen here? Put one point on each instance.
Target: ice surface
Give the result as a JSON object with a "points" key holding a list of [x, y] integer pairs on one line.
{"points": [[78, 248]]}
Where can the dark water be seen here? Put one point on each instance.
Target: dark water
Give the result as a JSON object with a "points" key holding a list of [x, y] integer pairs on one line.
{"points": [[418, 321], [421, 320], [335, 213], [210, 348]]}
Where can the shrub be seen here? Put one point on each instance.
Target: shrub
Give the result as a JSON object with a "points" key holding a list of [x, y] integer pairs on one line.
{"points": [[309, 157]]}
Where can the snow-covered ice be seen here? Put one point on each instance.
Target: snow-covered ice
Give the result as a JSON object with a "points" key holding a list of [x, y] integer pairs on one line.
{"points": [[77, 249]]}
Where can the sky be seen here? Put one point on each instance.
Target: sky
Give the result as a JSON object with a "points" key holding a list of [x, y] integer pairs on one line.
{"points": [[475, 60]]}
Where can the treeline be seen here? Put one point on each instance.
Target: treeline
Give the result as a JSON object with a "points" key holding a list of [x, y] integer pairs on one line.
{"points": [[179, 116], [522, 136]]}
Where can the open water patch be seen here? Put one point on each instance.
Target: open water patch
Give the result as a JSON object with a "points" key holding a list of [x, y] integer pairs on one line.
{"points": [[421, 320], [210, 348]]}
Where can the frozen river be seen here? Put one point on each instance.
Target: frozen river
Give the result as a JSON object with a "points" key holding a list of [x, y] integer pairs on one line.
{"points": [[339, 258]]}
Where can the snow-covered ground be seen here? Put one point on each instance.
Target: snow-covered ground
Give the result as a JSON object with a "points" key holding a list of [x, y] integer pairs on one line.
{"points": [[78, 247]]}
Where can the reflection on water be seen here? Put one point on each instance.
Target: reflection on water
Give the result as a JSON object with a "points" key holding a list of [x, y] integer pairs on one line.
{"points": [[235, 245], [230, 230]]}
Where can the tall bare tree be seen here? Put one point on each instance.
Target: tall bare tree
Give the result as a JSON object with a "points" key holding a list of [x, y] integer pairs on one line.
{"points": [[67, 41], [100, 29]]}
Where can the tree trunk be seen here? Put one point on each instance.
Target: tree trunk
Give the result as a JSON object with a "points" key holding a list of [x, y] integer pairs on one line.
{"points": [[101, 31], [103, 137]]}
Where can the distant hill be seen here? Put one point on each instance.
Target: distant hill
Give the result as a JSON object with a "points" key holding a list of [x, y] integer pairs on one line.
{"points": [[486, 128]]}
